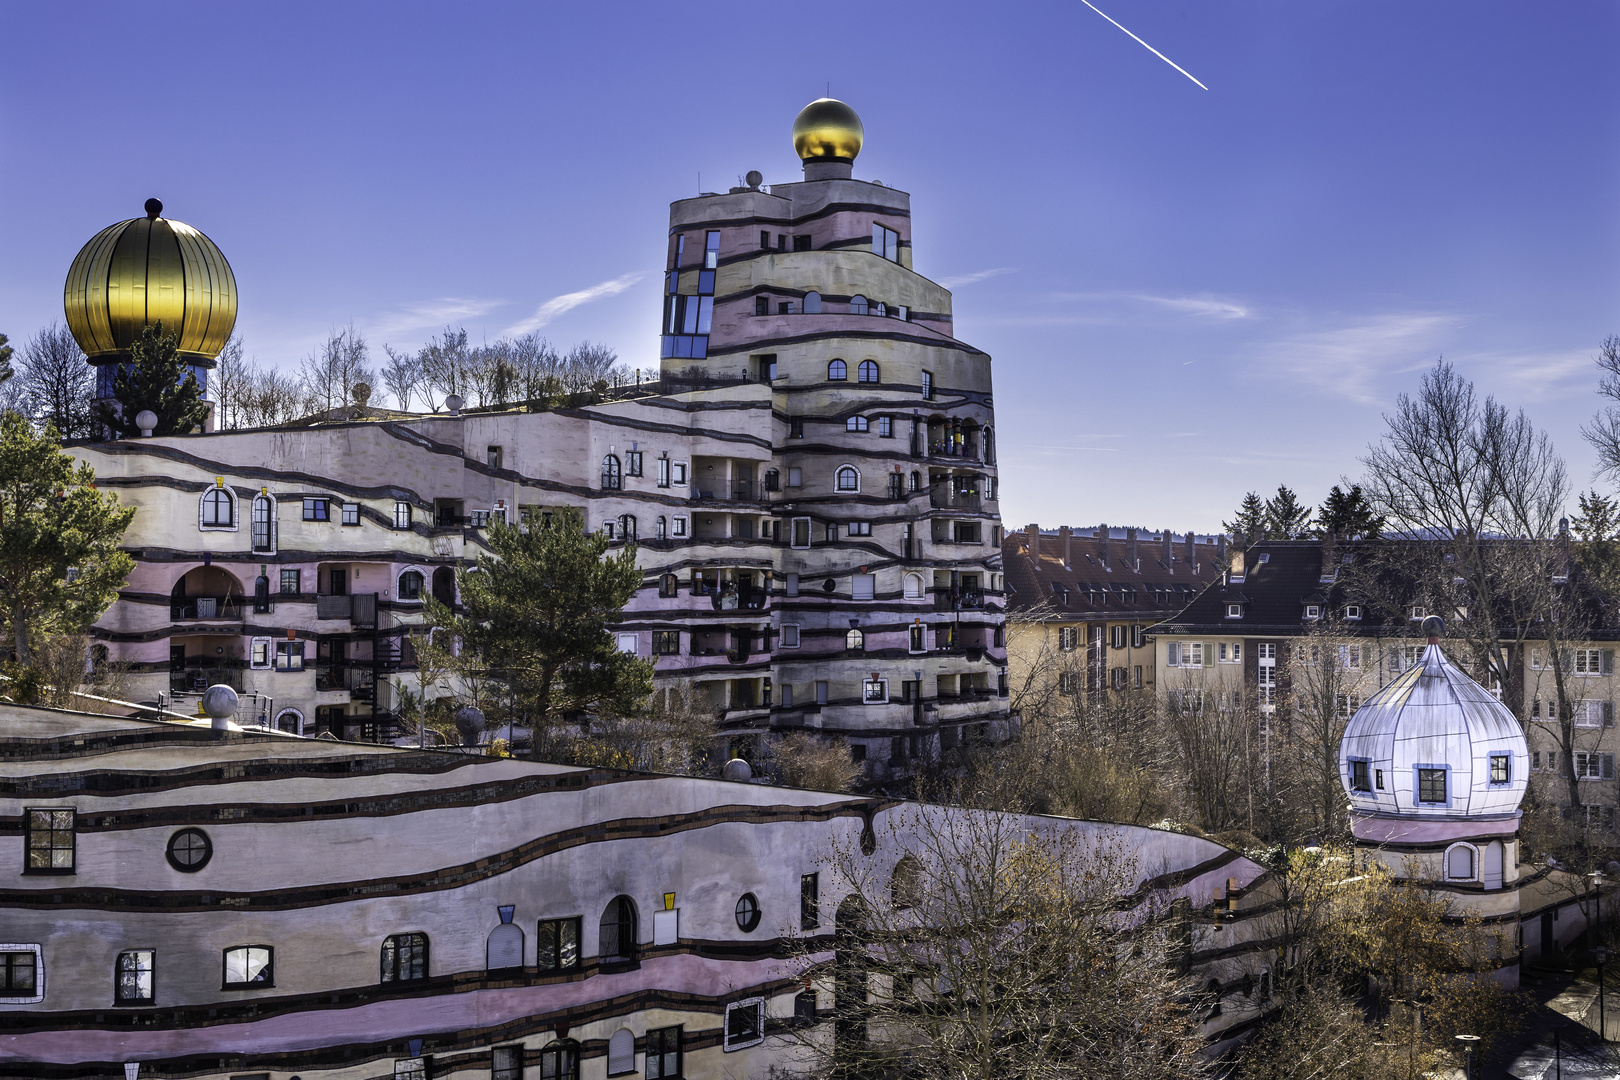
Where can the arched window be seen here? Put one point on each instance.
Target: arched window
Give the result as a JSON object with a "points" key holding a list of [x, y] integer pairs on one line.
{"points": [[404, 957], [916, 481], [773, 480], [857, 304], [867, 372], [1460, 863], [880, 309], [291, 721], [612, 473], [906, 884], [627, 527], [505, 946], [855, 641], [662, 527], [264, 524], [837, 371], [618, 931], [855, 423], [621, 1053], [668, 584], [849, 479], [410, 585], [812, 303], [218, 509], [560, 1060], [914, 587]]}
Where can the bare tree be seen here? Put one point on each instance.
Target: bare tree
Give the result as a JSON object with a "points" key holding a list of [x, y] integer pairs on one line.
{"points": [[402, 377], [537, 367], [231, 378], [978, 944], [588, 366], [444, 363], [269, 397], [329, 374], [58, 384], [1603, 432]]}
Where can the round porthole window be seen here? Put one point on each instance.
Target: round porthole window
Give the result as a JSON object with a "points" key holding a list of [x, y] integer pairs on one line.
{"points": [[747, 913], [190, 850]]}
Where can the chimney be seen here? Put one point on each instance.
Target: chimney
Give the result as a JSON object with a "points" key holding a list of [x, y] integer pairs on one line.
{"points": [[1192, 554], [1066, 538], [1033, 532], [1220, 550], [1168, 557], [1103, 547], [1130, 551]]}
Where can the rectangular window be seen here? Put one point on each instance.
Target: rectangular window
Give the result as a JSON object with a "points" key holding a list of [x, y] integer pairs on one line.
{"points": [[745, 1024], [404, 957], [800, 536], [663, 472], [1594, 766], [351, 513], [50, 841], [1431, 785], [792, 583], [290, 585], [259, 656], [928, 386], [409, 1069], [249, 966], [629, 643], [796, 427], [1501, 768], [885, 243], [317, 510], [863, 586], [492, 456], [885, 427], [507, 1063], [1350, 657], [402, 514], [289, 656], [19, 974], [1378, 778], [821, 691], [632, 463], [801, 243], [677, 527], [663, 1053], [1068, 682], [875, 691], [790, 636], [711, 249], [479, 519], [795, 476], [557, 944], [679, 473], [860, 528], [765, 239], [830, 532], [787, 695], [666, 642], [134, 982], [809, 901]]}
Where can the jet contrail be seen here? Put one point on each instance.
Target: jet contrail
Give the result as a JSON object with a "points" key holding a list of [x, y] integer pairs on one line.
{"points": [[1146, 46]]}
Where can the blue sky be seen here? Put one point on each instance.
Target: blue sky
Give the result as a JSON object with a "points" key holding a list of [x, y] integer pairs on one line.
{"points": [[1188, 294]]}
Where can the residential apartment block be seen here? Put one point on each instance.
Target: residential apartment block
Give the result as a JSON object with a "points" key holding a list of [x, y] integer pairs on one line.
{"points": [[811, 485]]}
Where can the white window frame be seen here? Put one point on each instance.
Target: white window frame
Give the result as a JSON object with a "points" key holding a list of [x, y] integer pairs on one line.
{"points": [[789, 638], [663, 472], [427, 583], [912, 587], [1473, 862], [1313, 612], [236, 511], [755, 1003], [274, 523], [1589, 765], [1353, 612], [275, 721], [1350, 657], [1587, 662], [838, 474], [254, 645], [1186, 654], [1234, 611], [867, 697], [677, 527], [620, 640], [39, 973], [678, 471]]}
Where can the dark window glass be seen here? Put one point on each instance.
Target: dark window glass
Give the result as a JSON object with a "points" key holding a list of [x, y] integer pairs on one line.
{"points": [[796, 427], [410, 585], [663, 1053], [507, 1063], [747, 912], [560, 1061], [745, 1023], [50, 841], [1500, 769], [810, 888], [804, 1005], [667, 642], [263, 538], [557, 946], [404, 957], [190, 850], [617, 938], [801, 243], [612, 475], [133, 985], [1432, 785], [1358, 776], [17, 975]]}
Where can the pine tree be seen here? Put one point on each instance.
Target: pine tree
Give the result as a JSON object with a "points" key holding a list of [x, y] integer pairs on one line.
{"points": [[156, 379], [1285, 518], [53, 520], [1250, 523], [6, 371], [1598, 520], [1348, 516], [536, 619]]}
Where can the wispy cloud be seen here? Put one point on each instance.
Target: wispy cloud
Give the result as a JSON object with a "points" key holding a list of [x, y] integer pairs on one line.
{"points": [[557, 305], [1349, 361], [1539, 376], [1201, 306], [431, 313], [973, 278]]}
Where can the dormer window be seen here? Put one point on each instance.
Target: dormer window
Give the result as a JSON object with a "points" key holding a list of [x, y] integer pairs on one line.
{"points": [[1234, 611], [1313, 611], [1352, 611], [1417, 613]]}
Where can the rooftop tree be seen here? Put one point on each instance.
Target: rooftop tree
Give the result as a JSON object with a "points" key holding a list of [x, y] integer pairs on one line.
{"points": [[157, 378], [60, 566]]}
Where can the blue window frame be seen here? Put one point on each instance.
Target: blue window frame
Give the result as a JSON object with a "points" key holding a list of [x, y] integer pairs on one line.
{"points": [[1431, 784]]}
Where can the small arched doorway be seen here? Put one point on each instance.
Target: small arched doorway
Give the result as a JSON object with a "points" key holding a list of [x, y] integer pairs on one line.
{"points": [[444, 586]]}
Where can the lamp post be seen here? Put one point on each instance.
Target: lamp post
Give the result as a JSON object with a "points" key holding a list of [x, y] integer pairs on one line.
{"points": [[1469, 1042], [1601, 954]]}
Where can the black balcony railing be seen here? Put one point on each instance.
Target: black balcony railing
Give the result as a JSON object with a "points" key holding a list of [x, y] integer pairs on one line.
{"points": [[206, 607], [958, 599], [194, 680]]}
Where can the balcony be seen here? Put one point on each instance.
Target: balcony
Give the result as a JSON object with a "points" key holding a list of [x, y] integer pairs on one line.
{"points": [[749, 491], [194, 680], [943, 498], [958, 599], [948, 448], [360, 608], [733, 598], [205, 607]]}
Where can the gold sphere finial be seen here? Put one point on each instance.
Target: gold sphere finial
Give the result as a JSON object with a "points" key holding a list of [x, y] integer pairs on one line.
{"points": [[149, 270], [827, 130]]}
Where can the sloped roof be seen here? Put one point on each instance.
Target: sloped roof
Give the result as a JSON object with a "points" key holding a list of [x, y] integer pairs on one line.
{"points": [[1097, 587]]}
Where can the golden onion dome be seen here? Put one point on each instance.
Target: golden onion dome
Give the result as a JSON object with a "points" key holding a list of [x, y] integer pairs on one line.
{"points": [[827, 130], [144, 271]]}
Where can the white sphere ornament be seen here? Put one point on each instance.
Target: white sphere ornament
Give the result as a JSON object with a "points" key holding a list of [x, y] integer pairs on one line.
{"points": [[219, 702], [737, 770], [146, 420]]}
